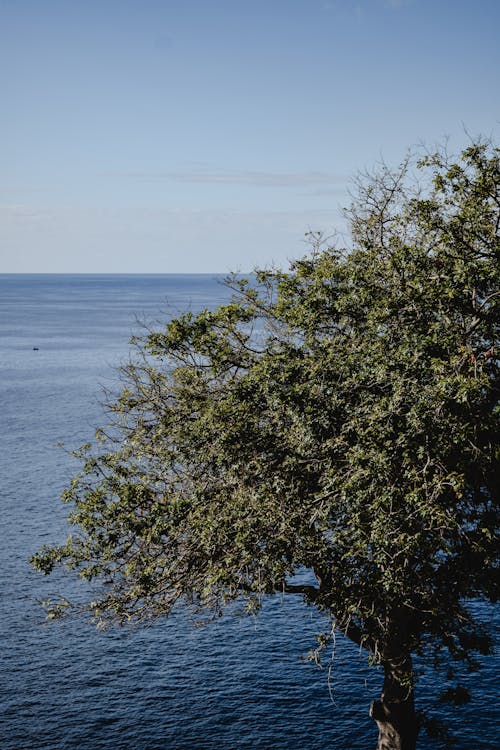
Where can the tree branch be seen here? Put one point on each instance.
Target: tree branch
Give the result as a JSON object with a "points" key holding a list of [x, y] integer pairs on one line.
{"points": [[310, 591]]}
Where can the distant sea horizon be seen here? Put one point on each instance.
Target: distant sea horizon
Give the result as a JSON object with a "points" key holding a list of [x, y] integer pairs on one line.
{"points": [[120, 274]]}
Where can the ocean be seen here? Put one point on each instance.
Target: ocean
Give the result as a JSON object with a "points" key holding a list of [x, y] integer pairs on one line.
{"points": [[240, 684]]}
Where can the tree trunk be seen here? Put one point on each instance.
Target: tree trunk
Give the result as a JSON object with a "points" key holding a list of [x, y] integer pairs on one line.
{"points": [[395, 711]]}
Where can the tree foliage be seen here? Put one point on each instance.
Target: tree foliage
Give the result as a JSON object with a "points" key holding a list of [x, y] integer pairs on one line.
{"points": [[341, 416]]}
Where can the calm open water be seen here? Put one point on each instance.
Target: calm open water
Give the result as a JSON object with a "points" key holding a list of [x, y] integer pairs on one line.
{"points": [[240, 684]]}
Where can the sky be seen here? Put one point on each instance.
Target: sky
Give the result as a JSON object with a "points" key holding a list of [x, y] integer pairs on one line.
{"points": [[208, 136]]}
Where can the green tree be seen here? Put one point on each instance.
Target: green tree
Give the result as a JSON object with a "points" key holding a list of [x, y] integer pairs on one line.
{"points": [[340, 417]]}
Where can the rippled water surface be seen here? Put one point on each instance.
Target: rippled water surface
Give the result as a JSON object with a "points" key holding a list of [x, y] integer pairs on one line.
{"points": [[240, 684]]}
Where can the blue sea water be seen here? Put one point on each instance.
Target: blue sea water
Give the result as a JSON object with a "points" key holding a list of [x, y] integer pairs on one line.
{"points": [[239, 684]]}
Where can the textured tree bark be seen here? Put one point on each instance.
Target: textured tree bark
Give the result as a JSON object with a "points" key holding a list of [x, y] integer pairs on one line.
{"points": [[395, 711]]}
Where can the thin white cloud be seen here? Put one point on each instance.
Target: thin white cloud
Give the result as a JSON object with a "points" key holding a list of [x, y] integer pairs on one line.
{"points": [[245, 178], [360, 8], [20, 211], [396, 4]]}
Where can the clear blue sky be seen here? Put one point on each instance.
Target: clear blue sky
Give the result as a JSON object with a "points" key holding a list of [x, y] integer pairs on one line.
{"points": [[163, 136]]}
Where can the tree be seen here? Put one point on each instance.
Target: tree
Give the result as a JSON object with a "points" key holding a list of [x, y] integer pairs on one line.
{"points": [[340, 417]]}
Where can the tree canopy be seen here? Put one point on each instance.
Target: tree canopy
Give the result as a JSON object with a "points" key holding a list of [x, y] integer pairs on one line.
{"points": [[340, 416]]}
